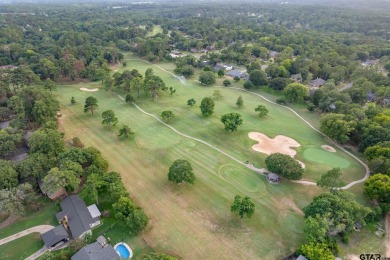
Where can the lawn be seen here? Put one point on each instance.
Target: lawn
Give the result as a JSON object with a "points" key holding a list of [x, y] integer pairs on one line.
{"points": [[194, 221], [22, 247], [44, 216]]}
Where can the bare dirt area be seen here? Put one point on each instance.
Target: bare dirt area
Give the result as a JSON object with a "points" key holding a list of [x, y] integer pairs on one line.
{"points": [[328, 148], [89, 90], [387, 239], [278, 144]]}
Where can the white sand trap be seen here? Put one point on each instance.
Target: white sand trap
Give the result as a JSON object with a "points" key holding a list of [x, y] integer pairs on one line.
{"points": [[279, 144], [328, 148], [89, 90]]}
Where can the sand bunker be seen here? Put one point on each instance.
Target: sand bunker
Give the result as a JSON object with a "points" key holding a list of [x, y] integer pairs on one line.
{"points": [[89, 90], [328, 148], [278, 144]]}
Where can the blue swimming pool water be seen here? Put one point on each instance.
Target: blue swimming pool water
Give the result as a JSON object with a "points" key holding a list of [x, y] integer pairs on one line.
{"points": [[123, 252]]}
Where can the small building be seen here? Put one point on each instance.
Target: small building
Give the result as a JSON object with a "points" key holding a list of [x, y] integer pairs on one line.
{"points": [[237, 73], [51, 190], [273, 177], [318, 82], [76, 217], [100, 250], [371, 97], [273, 54], [228, 67], [176, 52], [301, 257], [174, 56], [55, 237]]}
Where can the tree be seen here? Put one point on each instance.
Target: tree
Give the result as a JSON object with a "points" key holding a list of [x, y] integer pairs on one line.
{"points": [[9, 139], [109, 118], [154, 85], [125, 131], [207, 77], [221, 73], [13, 201], [317, 251], [217, 94], [92, 185], [226, 83], [231, 121], [181, 171], [284, 165], [91, 104], [261, 110], [236, 78], [339, 210], [47, 141], [207, 106], [191, 102], [243, 206], [248, 84], [172, 90], [48, 84], [337, 127], [132, 216], [315, 229], [167, 116], [330, 179], [136, 83], [296, 92], [56, 179], [8, 175], [73, 101], [129, 99], [377, 187], [258, 78], [240, 102]]}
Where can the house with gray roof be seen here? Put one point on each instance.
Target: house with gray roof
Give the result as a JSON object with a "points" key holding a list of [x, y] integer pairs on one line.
{"points": [[99, 250], [273, 177], [237, 73], [76, 217], [318, 82], [55, 236]]}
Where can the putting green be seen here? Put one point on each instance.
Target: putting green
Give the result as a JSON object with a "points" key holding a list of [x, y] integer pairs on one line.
{"points": [[241, 180], [325, 157]]}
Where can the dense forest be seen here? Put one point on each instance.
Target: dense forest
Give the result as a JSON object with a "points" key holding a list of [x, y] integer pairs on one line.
{"points": [[335, 60]]}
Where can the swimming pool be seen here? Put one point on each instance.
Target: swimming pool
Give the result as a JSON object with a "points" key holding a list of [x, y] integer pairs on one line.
{"points": [[123, 250]]}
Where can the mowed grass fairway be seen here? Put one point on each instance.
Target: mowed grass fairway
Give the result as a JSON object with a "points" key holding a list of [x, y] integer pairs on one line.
{"points": [[194, 221]]}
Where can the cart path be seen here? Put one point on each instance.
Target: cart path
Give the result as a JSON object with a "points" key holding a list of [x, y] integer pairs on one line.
{"points": [[37, 254], [261, 171], [37, 229]]}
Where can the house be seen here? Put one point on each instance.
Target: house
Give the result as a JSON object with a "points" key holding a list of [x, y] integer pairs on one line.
{"points": [[228, 67], [174, 56], [100, 250], [296, 77], [176, 52], [218, 67], [318, 82], [55, 237], [76, 217], [237, 73], [51, 190], [273, 54], [273, 177], [371, 97]]}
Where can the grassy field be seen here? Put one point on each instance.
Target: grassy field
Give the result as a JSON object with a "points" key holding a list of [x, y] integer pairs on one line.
{"points": [[22, 247], [44, 216], [195, 222]]}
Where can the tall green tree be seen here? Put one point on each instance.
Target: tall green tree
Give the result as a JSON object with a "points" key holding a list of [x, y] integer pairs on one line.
{"points": [[258, 78], [48, 141], [231, 121], [217, 94], [317, 251], [330, 179], [92, 186], [167, 116], [132, 216], [154, 85], [207, 106], [377, 187], [8, 175], [136, 83], [57, 179], [125, 131], [261, 110], [109, 118], [296, 92], [240, 101], [337, 127], [191, 102], [243, 206], [284, 165], [13, 201], [181, 171], [207, 77], [91, 104]]}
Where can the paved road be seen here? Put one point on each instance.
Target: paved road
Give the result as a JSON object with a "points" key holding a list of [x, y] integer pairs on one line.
{"points": [[37, 229], [262, 171]]}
